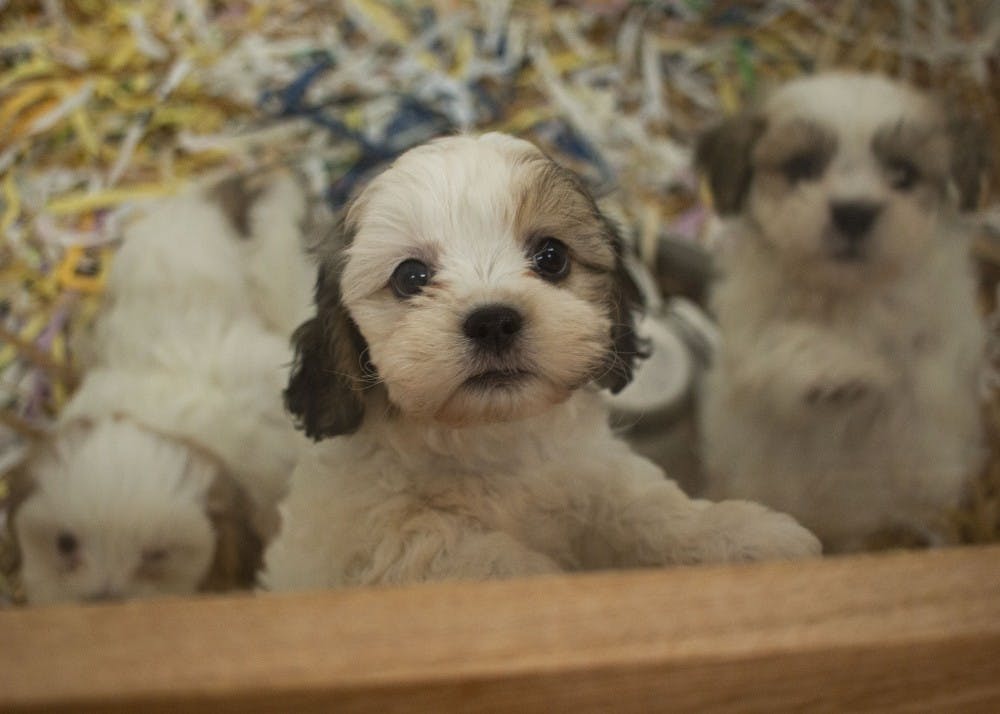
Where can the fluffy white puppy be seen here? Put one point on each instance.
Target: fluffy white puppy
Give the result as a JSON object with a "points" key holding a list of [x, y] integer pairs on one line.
{"points": [[460, 340], [846, 389], [176, 447]]}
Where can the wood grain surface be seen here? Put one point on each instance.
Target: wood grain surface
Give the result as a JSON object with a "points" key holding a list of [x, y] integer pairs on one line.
{"points": [[887, 633]]}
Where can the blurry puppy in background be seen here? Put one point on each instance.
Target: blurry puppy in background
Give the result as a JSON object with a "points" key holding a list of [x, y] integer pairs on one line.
{"points": [[175, 449], [457, 351], [846, 389]]}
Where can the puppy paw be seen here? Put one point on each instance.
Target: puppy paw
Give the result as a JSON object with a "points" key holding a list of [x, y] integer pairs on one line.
{"points": [[741, 531], [488, 556], [813, 370], [837, 393], [523, 565]]}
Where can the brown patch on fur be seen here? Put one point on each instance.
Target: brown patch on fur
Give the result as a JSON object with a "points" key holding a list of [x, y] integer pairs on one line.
{"points": [[236, 197], [20, 486], [954, 151], [923, 145], [970, 161], [331, 375], [724, 154], [238, 548], [978, 519], [625, 301], [554, 202], [793, 138]]}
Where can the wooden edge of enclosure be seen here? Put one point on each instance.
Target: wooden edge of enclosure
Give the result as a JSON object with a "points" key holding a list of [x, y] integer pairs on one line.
{"points": [[892, 632]]}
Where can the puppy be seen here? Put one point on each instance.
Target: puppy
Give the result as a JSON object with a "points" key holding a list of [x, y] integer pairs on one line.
{"points": [[456, 353], [176, 448], [846, 389]]}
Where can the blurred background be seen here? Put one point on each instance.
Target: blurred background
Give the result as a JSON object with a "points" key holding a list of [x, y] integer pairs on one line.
{"points": [[104, 105]]}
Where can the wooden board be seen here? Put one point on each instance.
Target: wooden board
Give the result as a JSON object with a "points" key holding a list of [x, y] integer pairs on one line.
{"points": [[897, 632]]}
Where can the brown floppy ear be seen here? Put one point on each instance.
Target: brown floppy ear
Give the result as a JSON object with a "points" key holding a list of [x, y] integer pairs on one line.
{"points": [[238, 546], [627, 347], [724, 154], [20, 486], [236, 195], [331, 371], [970, 162]]}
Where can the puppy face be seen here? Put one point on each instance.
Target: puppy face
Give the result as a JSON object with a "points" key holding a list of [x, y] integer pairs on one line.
{"points": [[115, 513], [480, 284], [840, 174]]}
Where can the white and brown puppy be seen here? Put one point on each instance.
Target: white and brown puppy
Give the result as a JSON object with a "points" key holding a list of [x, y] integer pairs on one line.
{"points": [[175, 449], [846, 389], [459, 344]]}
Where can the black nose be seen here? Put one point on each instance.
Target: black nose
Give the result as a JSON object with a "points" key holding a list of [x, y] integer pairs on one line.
{"points": [[854, 219], [493, 327]]}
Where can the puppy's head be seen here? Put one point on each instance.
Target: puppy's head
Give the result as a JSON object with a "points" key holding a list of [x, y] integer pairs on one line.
{"points": [[843, 172], [115, 512], [478, 282]]}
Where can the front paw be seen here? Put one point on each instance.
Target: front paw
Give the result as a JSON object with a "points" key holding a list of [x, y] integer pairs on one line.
{"points": [[741, 531], [840, 383], [837, 393]]}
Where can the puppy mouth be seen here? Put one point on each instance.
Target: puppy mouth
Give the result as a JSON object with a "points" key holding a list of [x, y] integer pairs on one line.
{"points": [[497, 379], [843, 249], [848, 254]]}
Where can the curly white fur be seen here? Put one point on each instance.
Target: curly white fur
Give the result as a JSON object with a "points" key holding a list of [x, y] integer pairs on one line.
{"points": [[846, 389], [439, 470], [183, 387]]}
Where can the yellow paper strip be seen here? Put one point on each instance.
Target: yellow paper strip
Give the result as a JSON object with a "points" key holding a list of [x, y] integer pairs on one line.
{"points": [[30, 94], [382, 19], [84, 201]]}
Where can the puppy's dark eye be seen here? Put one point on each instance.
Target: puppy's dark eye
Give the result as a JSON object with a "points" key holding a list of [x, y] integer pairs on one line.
{"points": [[803, 167], [409, 278], [903, 175], [67, 543], [551, 259]]}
